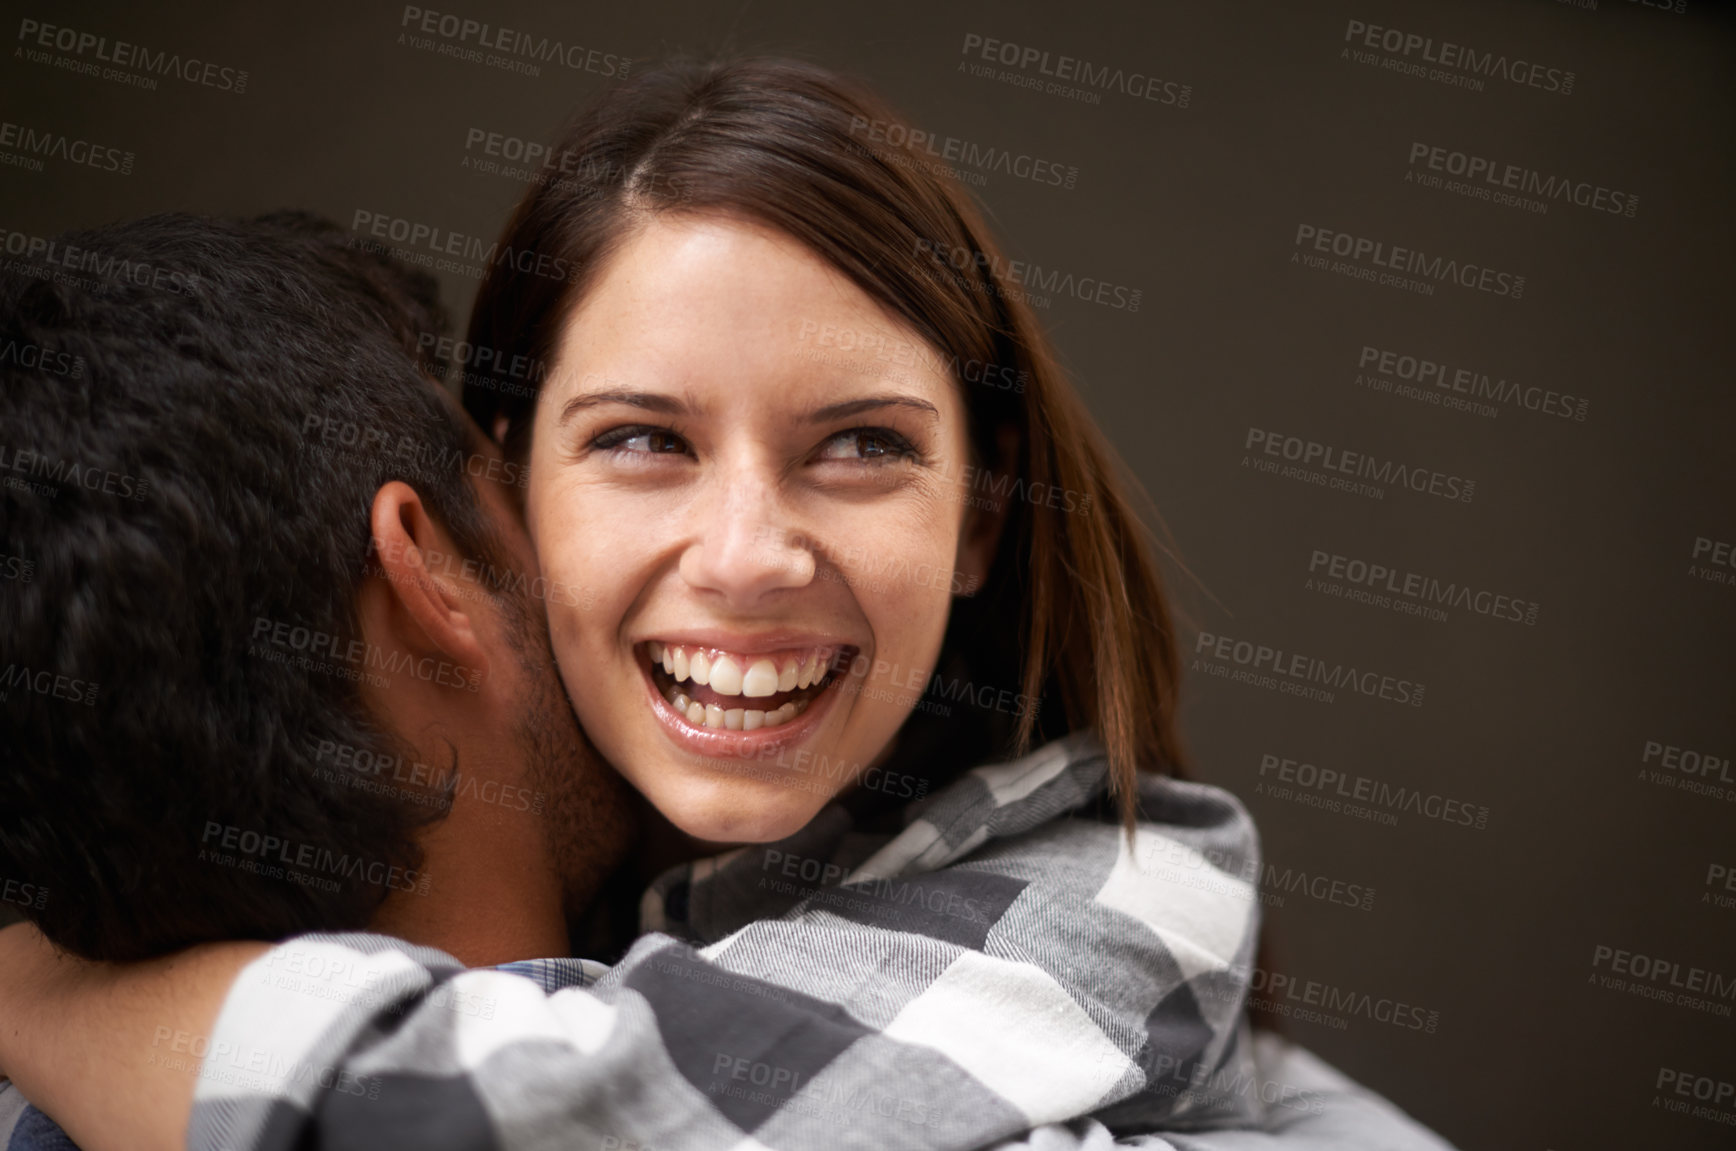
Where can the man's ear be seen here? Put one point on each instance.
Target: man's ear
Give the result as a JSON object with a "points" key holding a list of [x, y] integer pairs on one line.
{"points": [[984, 521], [419, 602]]}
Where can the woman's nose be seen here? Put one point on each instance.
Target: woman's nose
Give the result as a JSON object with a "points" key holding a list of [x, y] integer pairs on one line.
{"points": [[746, 545]]}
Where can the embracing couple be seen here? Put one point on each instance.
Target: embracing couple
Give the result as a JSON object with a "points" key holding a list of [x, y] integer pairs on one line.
{"points": [[731, 633]]}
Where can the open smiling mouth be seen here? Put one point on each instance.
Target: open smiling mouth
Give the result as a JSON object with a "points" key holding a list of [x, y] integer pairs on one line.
{"points": [[710, 689]]}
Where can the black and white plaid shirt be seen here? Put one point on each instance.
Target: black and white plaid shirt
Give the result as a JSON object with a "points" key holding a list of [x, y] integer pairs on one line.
{"points": [[1005, 968], [1009, 959]]}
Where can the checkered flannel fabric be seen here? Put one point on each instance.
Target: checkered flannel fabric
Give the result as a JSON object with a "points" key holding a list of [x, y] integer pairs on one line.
{"points": [[1010, 958]]}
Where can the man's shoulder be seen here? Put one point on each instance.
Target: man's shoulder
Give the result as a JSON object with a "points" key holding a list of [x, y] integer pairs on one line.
{"points": [[24, 1128], [12, 1105]]}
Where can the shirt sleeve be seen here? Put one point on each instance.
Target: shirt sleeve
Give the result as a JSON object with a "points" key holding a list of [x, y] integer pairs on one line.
{"points": [[1311, 1107], [1077, 970]]}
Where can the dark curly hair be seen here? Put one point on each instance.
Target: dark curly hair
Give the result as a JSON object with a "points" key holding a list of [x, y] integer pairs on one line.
{"points": [[168, 481]]}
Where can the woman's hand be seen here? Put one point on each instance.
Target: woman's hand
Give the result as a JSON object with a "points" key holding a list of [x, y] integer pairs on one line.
{"points": [[84, 1041]]}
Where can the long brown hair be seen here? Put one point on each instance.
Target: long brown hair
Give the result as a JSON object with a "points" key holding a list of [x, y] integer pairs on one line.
{"points": [[795, 147]]}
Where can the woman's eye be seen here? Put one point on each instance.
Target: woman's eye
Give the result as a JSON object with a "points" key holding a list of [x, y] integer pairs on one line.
{"points": [[871, 444], [636, 439]]}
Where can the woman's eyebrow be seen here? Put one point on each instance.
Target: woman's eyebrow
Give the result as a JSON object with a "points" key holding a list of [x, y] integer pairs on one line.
{"points": [[868, 404], [649, 401]]}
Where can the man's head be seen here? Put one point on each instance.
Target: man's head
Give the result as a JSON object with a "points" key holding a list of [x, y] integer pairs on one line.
{"points": [[274, 585]]}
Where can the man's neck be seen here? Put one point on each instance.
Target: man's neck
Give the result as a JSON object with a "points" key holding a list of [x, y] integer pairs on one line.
{"points": [[485, 893], [488, 890]]}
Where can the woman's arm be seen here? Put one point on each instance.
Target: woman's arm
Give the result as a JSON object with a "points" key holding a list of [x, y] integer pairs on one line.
{"points": [[84, 1041], [473, 1059], [1316, 1108], [959, 989], [817, 1031]]}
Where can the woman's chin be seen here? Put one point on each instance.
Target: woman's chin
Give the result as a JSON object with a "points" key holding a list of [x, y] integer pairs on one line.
{"points": [[731, 811]]}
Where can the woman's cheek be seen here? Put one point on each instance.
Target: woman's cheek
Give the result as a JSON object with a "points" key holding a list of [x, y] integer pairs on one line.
{"points": [[907, 605], [575, 540]]}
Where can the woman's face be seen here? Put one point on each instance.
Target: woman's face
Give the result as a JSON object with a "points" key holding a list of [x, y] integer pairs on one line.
{"points": [[757, 534]]}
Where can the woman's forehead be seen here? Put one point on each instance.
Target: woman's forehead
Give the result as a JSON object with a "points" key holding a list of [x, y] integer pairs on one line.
{"points": [[679, 271], [702, 302]]}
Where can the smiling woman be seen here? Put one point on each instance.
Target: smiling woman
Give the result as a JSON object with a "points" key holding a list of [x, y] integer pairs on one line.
{"points": [[765, 393], [805, 485]]}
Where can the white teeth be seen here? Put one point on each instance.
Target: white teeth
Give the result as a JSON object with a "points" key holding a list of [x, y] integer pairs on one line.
{"points": [[761, 679], [725, 676], [735, 718]]}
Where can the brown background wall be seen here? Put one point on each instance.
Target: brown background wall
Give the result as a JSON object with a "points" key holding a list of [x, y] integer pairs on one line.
{"points": [[1605, 510]]}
